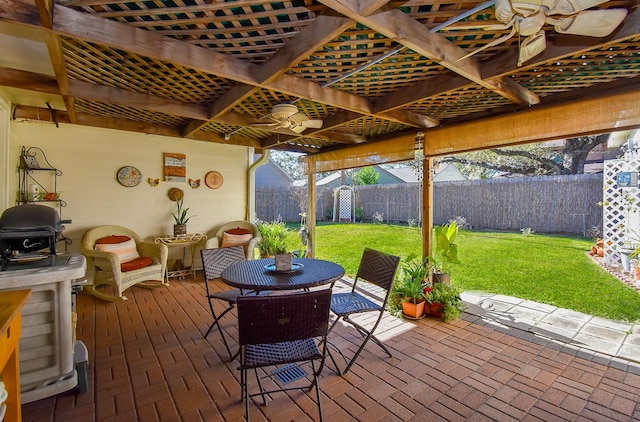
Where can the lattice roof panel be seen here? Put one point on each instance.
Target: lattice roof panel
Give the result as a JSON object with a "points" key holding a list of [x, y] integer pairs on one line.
{"points": [[585, 69], [93, 63], [252, 30], [211, 70], [459, 103]]}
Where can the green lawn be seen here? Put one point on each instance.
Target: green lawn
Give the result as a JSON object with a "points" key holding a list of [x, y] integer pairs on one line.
{"points": [[543, 268]]}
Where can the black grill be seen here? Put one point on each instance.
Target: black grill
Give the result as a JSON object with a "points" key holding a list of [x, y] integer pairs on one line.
{"points": [[27, 229]]}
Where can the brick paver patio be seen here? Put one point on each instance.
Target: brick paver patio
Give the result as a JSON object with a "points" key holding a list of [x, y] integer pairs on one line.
{"points": [[150, 362]]}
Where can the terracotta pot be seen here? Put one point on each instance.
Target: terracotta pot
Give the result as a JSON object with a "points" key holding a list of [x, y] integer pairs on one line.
{"points": [[636, 273], [413, 310], [437, 309]]}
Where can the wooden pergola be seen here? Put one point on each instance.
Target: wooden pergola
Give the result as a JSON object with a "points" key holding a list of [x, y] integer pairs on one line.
{"points": [[376, 72]]}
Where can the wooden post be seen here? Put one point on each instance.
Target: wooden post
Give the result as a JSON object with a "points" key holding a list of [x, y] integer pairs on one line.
{"points": [[311, 212]]}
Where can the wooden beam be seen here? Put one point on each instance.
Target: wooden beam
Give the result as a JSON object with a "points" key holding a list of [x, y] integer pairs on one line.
{"points": [[29, 81], [310, 39], [613, 112], [111, 95], [85, 119], [45, 10]]}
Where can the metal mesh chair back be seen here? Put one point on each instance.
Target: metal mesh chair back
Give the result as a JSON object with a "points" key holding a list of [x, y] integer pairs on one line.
{"points": [[216, 260], [378, 268], [280, 318]]}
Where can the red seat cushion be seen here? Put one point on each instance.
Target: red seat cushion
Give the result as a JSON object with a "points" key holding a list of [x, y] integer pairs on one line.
{"points": [[239, 230], [113, 239], [136, 264]]}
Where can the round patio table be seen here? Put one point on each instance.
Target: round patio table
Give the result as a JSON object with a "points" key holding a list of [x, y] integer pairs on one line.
{"points": [[255, 275]]}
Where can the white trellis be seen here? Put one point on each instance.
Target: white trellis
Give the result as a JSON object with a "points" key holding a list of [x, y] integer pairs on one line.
{"points": [[344, 204], [621, 206]]}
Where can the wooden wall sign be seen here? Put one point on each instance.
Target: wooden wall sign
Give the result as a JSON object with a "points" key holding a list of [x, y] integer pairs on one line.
{"points": [[175, 167]]}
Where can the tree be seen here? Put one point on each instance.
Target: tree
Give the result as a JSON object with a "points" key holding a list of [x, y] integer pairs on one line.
{"points": [[366, 176], [531, 159], [288, 162]]}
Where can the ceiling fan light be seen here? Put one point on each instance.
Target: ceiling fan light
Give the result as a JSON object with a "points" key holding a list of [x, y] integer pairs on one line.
{"points": [[283, 111]]}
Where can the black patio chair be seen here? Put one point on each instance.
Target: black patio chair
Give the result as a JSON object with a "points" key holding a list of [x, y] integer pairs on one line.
{"points": [[214, 262], [282, 330], [380, 269]]}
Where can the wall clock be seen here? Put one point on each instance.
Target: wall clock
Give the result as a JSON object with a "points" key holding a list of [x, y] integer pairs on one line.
{"points": [[213, 180], [129, 176]]}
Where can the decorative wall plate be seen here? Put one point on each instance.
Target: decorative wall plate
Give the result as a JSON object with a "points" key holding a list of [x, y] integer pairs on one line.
{"points": [[129, 176], [213, 180]]}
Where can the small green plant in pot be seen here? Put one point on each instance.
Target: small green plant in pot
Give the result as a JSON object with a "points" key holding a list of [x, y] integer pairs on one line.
{"points": [[274, 238], [181, 219], [448, 296], [445, 251], [409, 288]]}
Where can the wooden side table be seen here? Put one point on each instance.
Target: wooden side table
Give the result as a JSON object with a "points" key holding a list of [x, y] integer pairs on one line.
{"points": [[190, 240], [11, 304]]}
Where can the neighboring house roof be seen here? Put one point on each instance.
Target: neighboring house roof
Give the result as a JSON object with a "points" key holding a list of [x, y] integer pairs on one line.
{"points": [[271, 174], [447, 172]]}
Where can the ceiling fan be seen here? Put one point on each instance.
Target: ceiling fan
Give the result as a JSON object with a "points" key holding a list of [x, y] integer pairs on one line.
{"points": [[286, 117], [527, 17]]}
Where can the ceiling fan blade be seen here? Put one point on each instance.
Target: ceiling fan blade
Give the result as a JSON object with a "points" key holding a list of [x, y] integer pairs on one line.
{"points": [[592, 23], [491, 44], [297, 128], [265, 125], [531, 47], [526, 7], [312, 123], [569, 7]]}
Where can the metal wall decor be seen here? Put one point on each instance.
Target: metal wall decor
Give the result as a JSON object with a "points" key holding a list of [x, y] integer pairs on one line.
{"points": [[213, 180], [129, 176]]}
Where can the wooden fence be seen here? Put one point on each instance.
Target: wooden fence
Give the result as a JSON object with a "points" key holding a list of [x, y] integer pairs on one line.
{"points": [[546, 204]]}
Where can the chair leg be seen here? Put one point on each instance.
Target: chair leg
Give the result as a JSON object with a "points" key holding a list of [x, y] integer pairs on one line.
{"points": [[245, 390], [329, 349], [369, 336], [216, 323], [315, 383]]}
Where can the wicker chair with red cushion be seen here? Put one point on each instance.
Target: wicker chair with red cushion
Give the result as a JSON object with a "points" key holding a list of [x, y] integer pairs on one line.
{"points": [[120, 258], [236, 233]]}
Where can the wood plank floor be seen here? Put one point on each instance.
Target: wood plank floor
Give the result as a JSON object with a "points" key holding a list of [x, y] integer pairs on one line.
{"points": [[148, 361]]}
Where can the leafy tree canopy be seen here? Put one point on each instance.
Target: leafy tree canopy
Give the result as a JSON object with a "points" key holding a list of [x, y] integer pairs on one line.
{"points": [[530, 159], [365, 176]]}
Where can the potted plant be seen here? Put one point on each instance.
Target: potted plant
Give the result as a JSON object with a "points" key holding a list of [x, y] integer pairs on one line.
{"points": [[447, 297], [410, 286], [445, 251], [181, 219], [274, 238]]}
